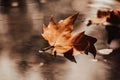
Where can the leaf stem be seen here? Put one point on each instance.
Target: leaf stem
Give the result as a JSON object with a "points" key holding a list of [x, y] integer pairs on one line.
{"points": [[45, 49]]}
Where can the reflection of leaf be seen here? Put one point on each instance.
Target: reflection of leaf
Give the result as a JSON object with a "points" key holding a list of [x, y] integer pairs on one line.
{"points": [[59, 35], [69, 55], [106, 17]]}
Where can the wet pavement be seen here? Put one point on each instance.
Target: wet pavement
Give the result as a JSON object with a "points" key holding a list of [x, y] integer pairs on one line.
{"points": [[20, 40]]}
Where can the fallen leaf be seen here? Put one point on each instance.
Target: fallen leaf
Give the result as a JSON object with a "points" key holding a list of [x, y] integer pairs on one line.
{"points": [[105, 17], [59, 36]]}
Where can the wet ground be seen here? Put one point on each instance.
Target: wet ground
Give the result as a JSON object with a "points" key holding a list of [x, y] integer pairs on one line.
{"points": [[20, 39]]}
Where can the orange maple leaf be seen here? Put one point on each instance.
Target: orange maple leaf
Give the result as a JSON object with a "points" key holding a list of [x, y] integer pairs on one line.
{"points": [[105, 16], [59, 36]]}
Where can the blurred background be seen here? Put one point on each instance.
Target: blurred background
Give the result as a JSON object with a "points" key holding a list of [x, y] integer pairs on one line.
{"points": [[20, 40]]}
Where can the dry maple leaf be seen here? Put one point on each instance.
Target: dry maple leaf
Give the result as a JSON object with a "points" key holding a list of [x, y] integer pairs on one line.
{"points": [[59, 36], [105, 16]]}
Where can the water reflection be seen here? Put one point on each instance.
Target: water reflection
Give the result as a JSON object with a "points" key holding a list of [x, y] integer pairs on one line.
{"points": [[20, 28]]}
